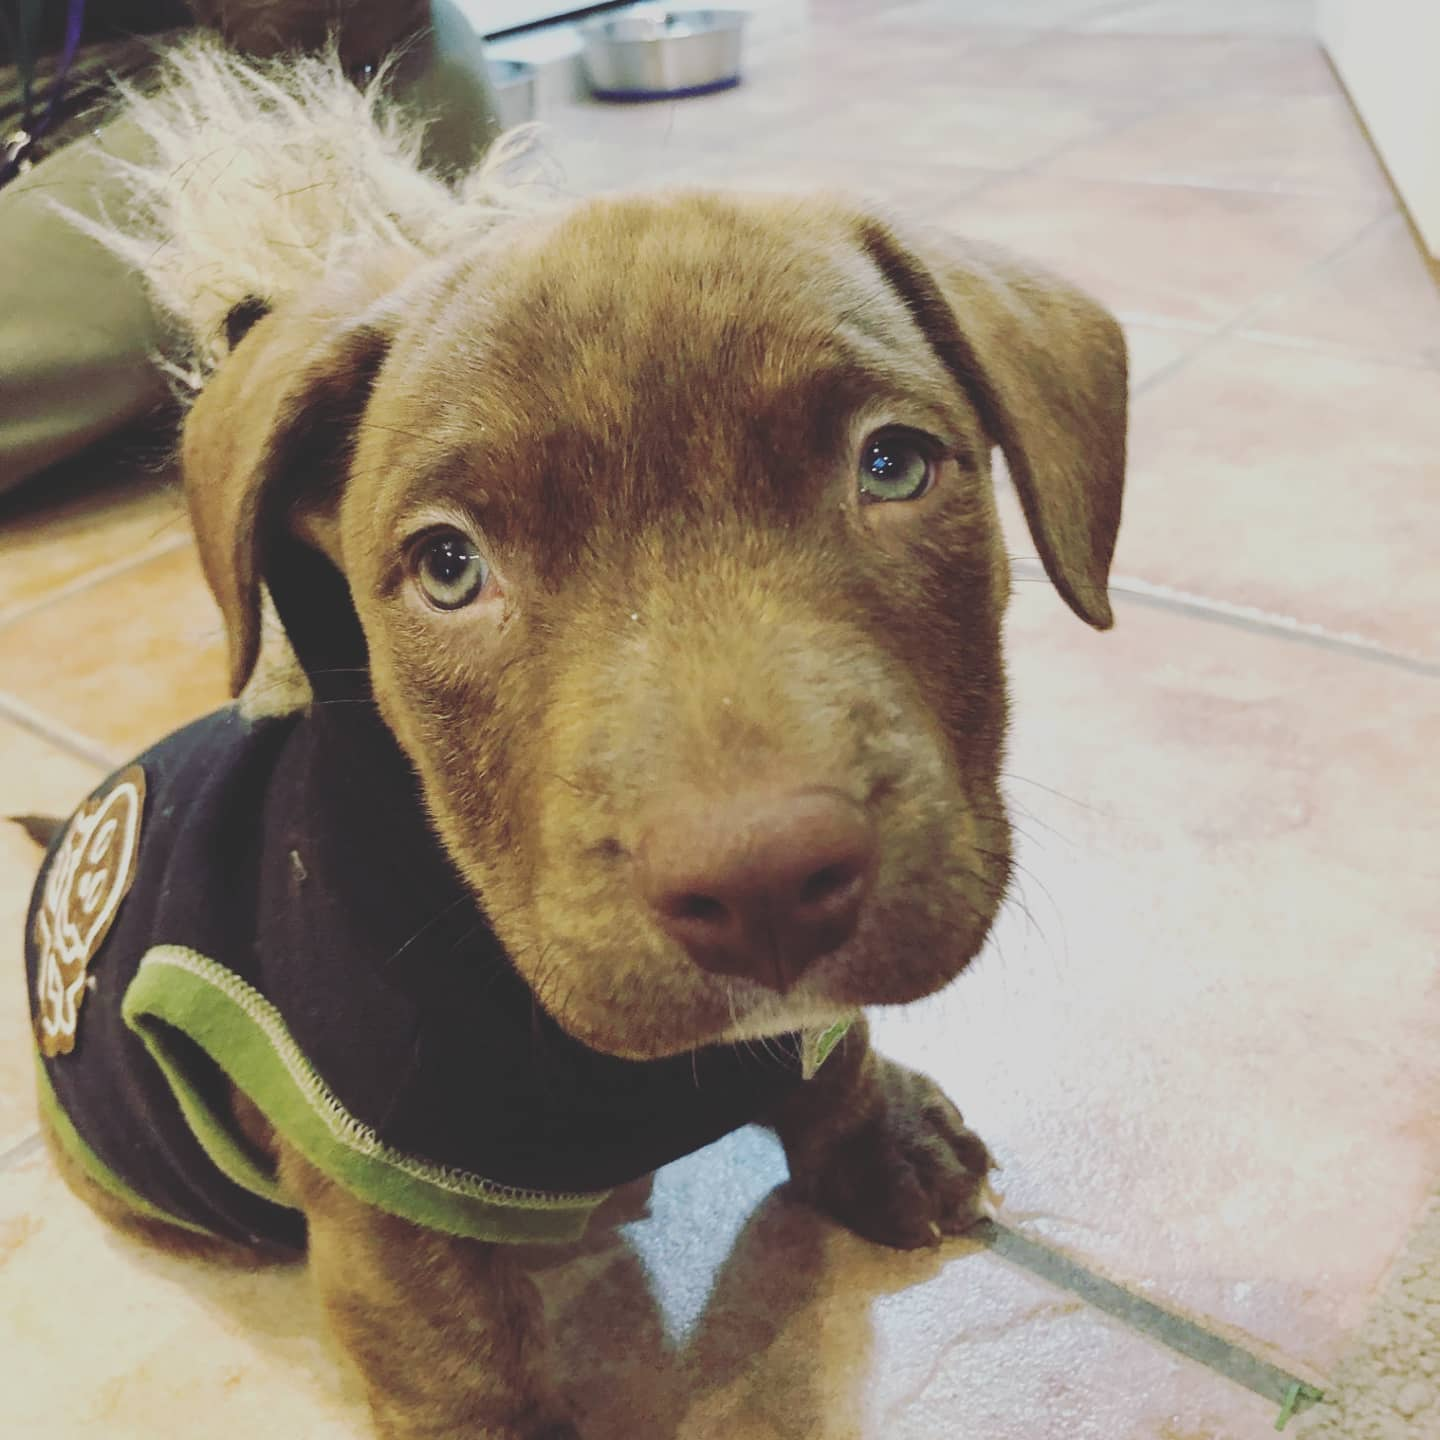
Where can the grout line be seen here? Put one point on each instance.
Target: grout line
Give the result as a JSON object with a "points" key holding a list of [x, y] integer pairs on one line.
{"points": [[1035, 168], [1262, 622], [21, 1151], [1337, 350], [55, 733], [1080, 24], [1246, 617], [1181, 180], [1363, 126], [1173, 1331], [1335, 256], [95, 577], [1236, 326]]}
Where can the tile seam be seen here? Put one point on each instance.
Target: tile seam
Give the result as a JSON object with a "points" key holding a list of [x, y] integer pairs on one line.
{"points": [[55, 733], [83, 583], [1250, 618], [1143, 1317]]}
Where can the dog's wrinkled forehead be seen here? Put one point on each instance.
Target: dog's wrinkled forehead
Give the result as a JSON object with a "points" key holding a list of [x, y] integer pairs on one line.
{"points": [[649, 357]]}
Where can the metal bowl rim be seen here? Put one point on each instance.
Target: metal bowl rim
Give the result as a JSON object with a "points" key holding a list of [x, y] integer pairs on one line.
{"points": [[729, 19]]}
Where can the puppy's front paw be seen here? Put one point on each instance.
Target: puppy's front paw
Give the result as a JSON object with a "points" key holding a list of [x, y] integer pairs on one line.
{"points": [[908, 1174]]}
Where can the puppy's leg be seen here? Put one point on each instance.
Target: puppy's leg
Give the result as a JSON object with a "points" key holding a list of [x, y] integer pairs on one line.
{"points": [[447, 1333], [882, 1149]]}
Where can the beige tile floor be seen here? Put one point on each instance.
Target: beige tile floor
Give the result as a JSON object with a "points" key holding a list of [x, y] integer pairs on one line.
{"points": [[1202, 1041]]}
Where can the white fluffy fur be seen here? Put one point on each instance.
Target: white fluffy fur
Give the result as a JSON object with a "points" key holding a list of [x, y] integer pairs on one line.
{"points": [[265, 178]]}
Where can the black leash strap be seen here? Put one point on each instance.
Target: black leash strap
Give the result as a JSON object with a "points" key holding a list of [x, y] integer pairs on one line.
{"points": [[17, 149]]}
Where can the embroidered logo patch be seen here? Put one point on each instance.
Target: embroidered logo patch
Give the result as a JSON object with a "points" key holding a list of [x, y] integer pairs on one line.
{"points": [[89, 875]]}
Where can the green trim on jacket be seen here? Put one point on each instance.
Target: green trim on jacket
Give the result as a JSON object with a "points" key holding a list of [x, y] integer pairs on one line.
{"points": [[179, 990]]}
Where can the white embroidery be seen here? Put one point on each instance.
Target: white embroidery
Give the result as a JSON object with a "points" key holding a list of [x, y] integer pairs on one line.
{"points": [[88, 877]]}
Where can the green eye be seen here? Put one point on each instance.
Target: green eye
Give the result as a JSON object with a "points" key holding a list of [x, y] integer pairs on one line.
{"points": [[450, 569], [895, 465]]}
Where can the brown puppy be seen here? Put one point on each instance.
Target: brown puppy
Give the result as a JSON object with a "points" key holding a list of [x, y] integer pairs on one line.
{"points": [[669, 528], [661, 532]]}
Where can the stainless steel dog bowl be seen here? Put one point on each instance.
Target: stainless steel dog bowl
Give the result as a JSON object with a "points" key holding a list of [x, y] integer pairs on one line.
{"points": [[663, 55], [514, 87]]}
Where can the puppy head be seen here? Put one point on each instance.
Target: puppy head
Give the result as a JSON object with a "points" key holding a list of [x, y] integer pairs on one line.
{"points": [[668, 530]]}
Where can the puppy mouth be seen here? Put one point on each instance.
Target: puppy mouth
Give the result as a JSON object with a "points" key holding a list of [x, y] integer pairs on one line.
{"points": [[673, 1006], [858, 982], [772, 1016]]}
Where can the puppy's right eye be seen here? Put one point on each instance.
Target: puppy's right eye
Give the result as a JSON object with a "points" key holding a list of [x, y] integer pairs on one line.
{"points": [[449, 568], [896, 464]]}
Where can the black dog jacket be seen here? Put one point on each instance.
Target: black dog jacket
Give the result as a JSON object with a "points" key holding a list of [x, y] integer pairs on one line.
{"points": [[264, 904]]}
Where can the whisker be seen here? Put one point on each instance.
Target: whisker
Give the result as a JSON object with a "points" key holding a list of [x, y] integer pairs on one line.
{"points": [[573, 784], [368, 424], [1049, 790], [433, 920]]}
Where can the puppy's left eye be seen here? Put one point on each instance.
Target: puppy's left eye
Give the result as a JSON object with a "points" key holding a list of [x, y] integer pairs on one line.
{"points": [[895, 465], [449, 569]]}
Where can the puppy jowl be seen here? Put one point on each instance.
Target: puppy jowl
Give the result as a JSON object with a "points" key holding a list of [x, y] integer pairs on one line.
{"points": [[641, 561]]}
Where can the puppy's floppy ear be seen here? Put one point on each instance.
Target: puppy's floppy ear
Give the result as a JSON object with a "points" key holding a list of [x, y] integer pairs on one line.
{"points": [[1045, 366], [266, 451]]}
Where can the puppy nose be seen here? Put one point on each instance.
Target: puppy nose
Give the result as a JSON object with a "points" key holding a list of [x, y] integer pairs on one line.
{"points": [[759, 886]]}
